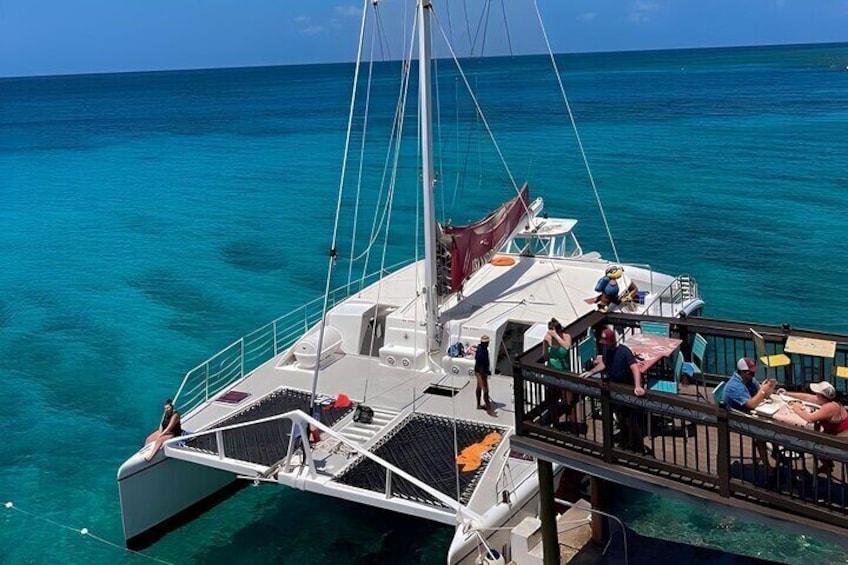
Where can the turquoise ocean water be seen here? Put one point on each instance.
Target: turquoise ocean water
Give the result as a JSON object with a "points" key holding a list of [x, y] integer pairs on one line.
{"points": [[150, 219]]}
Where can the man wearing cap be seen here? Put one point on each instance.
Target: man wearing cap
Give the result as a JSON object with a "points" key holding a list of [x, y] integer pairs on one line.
{"points": [[742, 391], [482, 370], [622, 367], [619, 362]]}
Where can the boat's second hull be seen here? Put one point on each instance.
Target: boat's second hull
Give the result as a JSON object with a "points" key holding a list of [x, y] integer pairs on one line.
{"points": [[155, 495]]}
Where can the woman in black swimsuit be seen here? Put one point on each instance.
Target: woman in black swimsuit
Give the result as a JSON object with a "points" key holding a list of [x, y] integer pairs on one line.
{"points": [[168, 428]]}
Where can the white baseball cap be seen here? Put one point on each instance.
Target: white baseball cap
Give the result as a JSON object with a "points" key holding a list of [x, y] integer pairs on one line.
{"points": [[746, 364], [825, 389]]}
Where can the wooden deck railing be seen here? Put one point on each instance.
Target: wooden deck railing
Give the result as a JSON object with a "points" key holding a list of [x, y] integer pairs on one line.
{"points": [[698, 444]]}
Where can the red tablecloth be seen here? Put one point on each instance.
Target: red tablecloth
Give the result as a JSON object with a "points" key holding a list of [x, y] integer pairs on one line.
{"points": [[650, 348]]}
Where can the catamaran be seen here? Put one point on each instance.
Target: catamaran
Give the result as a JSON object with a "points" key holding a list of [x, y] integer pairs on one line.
{"points": [[368, 393]]}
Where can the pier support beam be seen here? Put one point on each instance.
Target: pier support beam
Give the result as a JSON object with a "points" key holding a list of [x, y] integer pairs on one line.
{"points": [[596, 486], [547, 512]]}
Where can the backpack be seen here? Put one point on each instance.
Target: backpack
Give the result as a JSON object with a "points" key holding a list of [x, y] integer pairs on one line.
{"points": [[363, 414], [456, 350]]}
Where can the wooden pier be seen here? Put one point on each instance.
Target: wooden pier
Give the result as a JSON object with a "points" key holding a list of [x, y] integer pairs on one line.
{"points": [[683, 443]]}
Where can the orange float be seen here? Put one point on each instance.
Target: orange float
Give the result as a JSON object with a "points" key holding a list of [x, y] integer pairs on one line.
{"points": [[502, 261]]}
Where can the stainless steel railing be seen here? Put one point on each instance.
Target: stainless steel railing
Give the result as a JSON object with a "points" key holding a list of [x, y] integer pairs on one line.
{"points": [[244, 355], [670, 299]]}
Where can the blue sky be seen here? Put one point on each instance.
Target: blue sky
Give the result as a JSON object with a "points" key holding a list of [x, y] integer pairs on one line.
{"points": [[42, 37]]}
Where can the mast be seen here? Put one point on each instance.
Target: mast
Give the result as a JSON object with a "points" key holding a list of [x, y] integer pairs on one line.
{"points": [[425, 110]]}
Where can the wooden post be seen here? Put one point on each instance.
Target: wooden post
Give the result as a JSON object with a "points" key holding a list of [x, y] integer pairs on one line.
{"points": [[518, 391], [723, 454], [685, 348], [606, 421], [596, 487], [547, 513]]}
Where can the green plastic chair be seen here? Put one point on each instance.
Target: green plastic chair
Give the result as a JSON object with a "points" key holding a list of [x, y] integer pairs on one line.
{"points": [[656, 328], [670, 387], [718, 392], [699, 350], [694, 368]]}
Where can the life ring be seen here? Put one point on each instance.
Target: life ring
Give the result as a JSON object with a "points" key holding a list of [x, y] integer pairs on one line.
{"points": [[502, 261]]}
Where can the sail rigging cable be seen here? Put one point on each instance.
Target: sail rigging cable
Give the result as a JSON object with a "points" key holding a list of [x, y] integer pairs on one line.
{"points": [[397, 141], [385, 47], [361, 156], [576, 133], [506, 27], [332, 259], [480, 113], [392, 149]]}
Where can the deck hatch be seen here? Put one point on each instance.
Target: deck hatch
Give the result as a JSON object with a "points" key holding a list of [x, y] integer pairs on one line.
{"points": [[441, 390]]}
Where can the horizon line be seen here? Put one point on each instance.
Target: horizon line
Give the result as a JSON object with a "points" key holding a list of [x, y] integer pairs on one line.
{"points": [[327, 63]]}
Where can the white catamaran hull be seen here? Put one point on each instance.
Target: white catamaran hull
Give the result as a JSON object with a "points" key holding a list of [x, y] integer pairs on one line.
{"points": [[155, 492]]}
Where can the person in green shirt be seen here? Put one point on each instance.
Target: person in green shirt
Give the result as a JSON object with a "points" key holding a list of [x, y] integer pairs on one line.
{"points": [[557, 346]]}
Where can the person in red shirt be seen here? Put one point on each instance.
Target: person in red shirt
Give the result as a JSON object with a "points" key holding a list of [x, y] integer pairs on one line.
{"points": [[831, 415]]}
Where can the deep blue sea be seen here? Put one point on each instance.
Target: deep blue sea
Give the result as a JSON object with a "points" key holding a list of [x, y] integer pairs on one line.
{"points": [[150, 219]]}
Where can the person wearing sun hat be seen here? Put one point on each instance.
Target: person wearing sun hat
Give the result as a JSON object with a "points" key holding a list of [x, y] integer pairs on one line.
{"points": [[831, 414], [742, 391], [614, 288]]}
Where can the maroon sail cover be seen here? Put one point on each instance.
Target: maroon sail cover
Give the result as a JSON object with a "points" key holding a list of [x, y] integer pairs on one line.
{"points": [[464, 249]]}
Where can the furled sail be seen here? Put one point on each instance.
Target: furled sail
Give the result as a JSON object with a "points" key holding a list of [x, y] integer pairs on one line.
{"points": [[464, 249]]}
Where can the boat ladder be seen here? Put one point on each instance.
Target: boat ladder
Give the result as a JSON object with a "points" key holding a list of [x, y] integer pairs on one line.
{"points": [[361, 433]]}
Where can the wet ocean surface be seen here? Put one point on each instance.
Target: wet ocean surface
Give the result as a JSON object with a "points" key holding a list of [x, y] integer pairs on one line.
{"points": [[148, 220]]}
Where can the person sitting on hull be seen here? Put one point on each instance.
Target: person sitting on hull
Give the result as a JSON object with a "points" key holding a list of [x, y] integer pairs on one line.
{"points": [[615, 288], [168, 428]]}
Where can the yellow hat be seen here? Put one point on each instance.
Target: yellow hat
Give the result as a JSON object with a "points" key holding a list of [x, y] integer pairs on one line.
{"points": [[615, 271]]}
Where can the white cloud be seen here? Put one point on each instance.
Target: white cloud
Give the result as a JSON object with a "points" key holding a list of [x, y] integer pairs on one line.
{"points": [[587, 16], [641, 12], [347, 11], [304, 23]]}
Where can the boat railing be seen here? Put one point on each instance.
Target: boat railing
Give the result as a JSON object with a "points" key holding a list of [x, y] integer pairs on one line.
{"points": [[290, 429], [244, 355], [646, 267], [670, 300]]}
